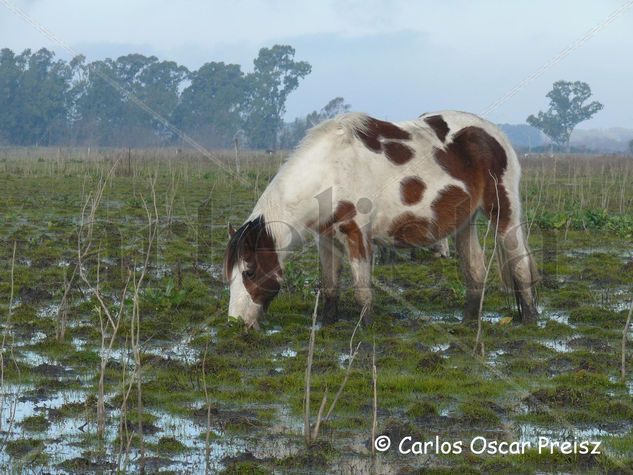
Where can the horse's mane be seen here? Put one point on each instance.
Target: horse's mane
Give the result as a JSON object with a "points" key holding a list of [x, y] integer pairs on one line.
{"points": [[343, 126], [340, 130]]}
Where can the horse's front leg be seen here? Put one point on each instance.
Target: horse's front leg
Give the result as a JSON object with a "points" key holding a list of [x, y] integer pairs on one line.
{"points": [[331, 257], [358, 244]]}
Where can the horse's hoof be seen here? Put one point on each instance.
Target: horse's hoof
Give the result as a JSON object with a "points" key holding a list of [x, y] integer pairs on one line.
{"points": [[470, 320], [330, 312]]}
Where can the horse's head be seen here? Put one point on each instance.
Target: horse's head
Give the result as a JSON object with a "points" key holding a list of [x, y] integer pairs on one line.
{"points": [[252, 269]]}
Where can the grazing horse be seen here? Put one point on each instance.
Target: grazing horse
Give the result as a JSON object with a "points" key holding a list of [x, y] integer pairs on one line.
{"points": [[356, 180]]}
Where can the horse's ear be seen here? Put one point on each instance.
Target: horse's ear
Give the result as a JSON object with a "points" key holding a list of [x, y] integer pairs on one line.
{"points": [[231, 230]]}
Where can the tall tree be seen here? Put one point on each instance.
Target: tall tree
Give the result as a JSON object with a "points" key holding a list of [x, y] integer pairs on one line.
{"points": [[11, 70], [111, 115], [567, 109], [276, 74], [211, 107], [34, 97]]}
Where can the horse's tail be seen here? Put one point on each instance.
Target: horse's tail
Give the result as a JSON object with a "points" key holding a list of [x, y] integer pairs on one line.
{"points": [[516, 286]]}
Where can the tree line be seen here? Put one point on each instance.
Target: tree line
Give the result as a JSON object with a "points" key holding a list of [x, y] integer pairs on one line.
{"points": [[140, 101], [133, 100]]}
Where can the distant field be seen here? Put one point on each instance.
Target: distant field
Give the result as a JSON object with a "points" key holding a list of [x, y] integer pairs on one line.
{"points": [[188, 389]]}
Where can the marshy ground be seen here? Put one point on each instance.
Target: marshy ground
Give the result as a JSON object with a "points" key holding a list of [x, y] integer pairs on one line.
{"points": [[212, 396]]}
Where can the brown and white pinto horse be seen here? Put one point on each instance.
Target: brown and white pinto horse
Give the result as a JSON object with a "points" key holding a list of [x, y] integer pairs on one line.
{"points": [[355, 180]]}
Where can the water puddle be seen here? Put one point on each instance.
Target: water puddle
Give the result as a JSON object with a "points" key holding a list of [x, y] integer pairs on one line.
{"points": [[214, 270], [493, 356], [180, 351], [560, 345], [560, 316], [288, 353], [440, 347], [531, 433], [48, 311]]}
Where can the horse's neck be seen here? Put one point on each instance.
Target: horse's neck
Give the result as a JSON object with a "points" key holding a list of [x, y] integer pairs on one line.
{"points": [[287, 226]]}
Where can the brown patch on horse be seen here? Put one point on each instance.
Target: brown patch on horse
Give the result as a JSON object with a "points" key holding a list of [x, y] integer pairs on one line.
{"points": [[253, 244], [378, 136], [398, 153], [411, 190], [478, 160], [354, 240], [345, 210], [386, 130], [452, 208], [439, 126], [407, 229]]}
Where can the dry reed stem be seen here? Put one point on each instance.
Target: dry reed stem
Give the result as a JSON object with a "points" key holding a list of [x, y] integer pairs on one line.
{"points": [[478, 342], [207, 445], [625, 333], [308, 375], [374, 380]]}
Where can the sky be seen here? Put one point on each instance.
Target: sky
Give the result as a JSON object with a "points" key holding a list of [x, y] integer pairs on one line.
{"points": [[392, 59]]}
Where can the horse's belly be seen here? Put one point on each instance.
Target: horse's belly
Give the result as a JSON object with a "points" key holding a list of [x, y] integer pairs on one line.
{"points": [[424, 225]]}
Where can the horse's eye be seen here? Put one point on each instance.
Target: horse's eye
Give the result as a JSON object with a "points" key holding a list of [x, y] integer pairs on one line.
{"points": [[248, 274]]}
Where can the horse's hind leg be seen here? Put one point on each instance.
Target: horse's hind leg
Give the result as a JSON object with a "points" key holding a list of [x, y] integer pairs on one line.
{"points": [[517, 269], [331, 257], [471, 262]]}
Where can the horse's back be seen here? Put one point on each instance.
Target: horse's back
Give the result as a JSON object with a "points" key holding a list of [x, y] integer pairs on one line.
{"points": [[433, 175], [413, 183]]}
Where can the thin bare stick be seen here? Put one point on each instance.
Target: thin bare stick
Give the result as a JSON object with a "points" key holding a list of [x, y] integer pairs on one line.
{"points": [[352, 355], [478, 342], [152, 225], [317, 424], [62, 313], [6, 329], [207, 445], [308, 375], [348, 370], [625, 333], [374, 380]]}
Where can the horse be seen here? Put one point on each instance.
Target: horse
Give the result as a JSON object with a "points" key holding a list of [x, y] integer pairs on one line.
{"points": [[355, 181]]}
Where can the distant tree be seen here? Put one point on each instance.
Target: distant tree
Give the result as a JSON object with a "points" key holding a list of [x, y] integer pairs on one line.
{"points": [[130, 101], [158, 87], [35, 102], [631, 146], [292, 133], [566, 111], [276, 74], [110, 115], [333, 108], [11, 70], [211, 108]]}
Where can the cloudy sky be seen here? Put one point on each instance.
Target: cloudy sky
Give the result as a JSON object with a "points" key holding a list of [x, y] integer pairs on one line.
{"points": [[392, 58]]}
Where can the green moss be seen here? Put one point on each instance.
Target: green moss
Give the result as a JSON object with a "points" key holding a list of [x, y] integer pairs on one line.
{"points": [[252, 468], [37, 423], [478, 412], [621, 444], [596, 316], [27, 450], [314, 458], [587, 379], [169, 445], [564, 396], [430, 363], [421, 409]]}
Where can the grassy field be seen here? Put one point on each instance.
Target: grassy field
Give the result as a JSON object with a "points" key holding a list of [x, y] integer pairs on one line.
{"points": [[126, 360]]}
